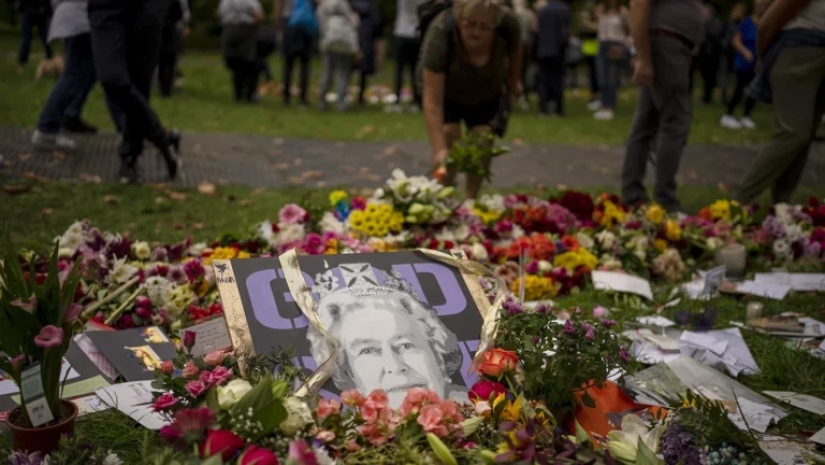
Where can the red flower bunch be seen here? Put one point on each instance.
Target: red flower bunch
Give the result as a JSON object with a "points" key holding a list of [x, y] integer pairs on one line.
{"points": [[816, 211], [199, 313], [579, 203], [538, 247]]}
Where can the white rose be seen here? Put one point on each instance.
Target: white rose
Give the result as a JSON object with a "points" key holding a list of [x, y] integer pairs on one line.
{"points": [[298, 416], [517, 231], [606, 238], [195, 250], [545, 266], [112, 459], [584, 240], [479, 252], [141, 250], [65, 252], [234, 391], [290, 233], [793, 232], [330, 223]]}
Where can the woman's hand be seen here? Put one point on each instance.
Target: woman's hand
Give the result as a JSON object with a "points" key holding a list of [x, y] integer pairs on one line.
{"points": [[439, 164], [516, 91], [748, 56]]}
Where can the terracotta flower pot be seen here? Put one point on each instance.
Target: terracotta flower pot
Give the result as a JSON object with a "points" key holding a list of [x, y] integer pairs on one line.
{"points": [[46, 438]]}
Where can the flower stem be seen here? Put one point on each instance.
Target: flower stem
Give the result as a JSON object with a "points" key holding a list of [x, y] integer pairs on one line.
{"points": [[95, 306], [116, 314]]}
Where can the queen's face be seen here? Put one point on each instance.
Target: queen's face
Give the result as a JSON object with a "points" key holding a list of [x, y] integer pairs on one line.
{"points": [[386, 349]]}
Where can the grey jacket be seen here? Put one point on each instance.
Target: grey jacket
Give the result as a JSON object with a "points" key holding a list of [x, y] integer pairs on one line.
{"points": [[69, 19]]}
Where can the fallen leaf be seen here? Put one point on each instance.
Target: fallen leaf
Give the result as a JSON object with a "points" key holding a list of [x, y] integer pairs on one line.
{"points": [[15, 188], [176, 195], [207, 188], [295, 180], [518, 142], [198, 226], [37, 189], [34, 177], [244, 202], [391, 150], [110, 199], [90, 178], [321, 184], [258, 191], [282, 166], [561, 187], [47, 211], [723, 187], [59, 155], [160, 200], [278, 141], [314, 174], [180, 227]]}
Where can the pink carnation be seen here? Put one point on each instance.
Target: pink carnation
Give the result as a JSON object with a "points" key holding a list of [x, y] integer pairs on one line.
{"points": [[292, 214], [328, 407]]}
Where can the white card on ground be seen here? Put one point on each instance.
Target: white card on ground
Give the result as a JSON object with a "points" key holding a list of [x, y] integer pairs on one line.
{"points": [[814, 324], [620, 282], [693, 289], [650, 354], [704, 341], [713, 279], [783, 451], [819, 437], [798, 281], [655, 321], [736, 358], [663, 342], [770, 290], [210, 336], [135, 400], [803, 401], [90, 404]]}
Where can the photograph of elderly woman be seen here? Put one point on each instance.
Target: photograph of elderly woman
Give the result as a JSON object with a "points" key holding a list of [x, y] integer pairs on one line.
{"points": [[387, 338]]}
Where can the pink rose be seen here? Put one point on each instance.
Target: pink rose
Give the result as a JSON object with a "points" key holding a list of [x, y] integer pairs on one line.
{"points": [[190, 371], [369, 412], [255, 455], [325, 436], [353, 446], [327, 408], [195, 388], [220, 375], [379, 398], [352, 398], [600, 312], [167, 368], [292, 214], [215, 358], [165, 402], [430, 419], [223, 442]]}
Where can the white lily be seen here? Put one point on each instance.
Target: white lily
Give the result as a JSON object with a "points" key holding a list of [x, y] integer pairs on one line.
{"points": [[623, 443]]}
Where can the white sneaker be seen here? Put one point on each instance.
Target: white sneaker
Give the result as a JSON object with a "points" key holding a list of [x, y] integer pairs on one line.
{"points": [[603, 115], [747, 123], [730, 122], [52, 141], [595, 105]]}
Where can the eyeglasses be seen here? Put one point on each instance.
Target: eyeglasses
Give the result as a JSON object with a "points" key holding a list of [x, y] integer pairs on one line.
{"points": [[467, 24]]}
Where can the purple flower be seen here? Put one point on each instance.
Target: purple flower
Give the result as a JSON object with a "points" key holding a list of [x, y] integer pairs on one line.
{"points": [[569, 327], [609, 323], [679, 446], [512, 306], [193, 269], [543, 309], [159, 255], [29, 305], [50, 336], [532, 267], [189, 339], [589, 331], [20, 458], [119, 248], [177, 275], [624, 355]]}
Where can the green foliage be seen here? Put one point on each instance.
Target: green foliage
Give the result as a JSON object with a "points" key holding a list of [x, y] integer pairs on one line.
{"points": [[708, 420], [473, 153], [262, 407]]}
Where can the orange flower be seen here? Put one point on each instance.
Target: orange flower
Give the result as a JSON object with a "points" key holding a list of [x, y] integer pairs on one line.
{"points": [[515, 248], [570, 243], [541, 248], [498, 361], [705, 213]]}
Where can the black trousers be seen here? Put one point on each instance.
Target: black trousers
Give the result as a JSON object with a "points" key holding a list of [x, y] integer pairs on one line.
{"points": [[551, 83], [743, 80], [30, 21], [406, 56], [126, 45], [709, 69], [244, 77], [171, 40]]}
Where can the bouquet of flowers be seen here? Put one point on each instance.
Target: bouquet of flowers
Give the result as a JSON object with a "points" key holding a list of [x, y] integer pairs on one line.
{"points": [[472, 154]]}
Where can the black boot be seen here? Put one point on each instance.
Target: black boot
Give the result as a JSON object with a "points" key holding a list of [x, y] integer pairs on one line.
{"points": [[76, 124], [170, 152], [128, 170]]}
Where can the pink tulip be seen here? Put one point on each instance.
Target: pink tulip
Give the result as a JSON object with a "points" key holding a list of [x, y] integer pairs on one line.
{"points": [[72, 312], [50, 336]]}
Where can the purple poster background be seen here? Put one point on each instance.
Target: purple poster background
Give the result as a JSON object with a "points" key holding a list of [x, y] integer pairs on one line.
{"points": [[275, 321]]}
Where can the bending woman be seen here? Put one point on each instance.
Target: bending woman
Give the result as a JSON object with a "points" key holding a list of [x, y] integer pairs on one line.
{"points": [[471, 56]]}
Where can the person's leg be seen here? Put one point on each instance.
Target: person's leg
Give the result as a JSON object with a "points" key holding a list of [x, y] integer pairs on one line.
{"points": [[305, 61], [342, 68], [593, 74], [363, 88], [60, 97], [328, 62], [166, 74], [43, 32], [400, 62], [796, 80], [749, 101], [671, 64], [639, 142], [26, 26], [252, 71], [71, 118], [558, 84], [237, 78], [738, 93], [710, 68], [289, 61], [784, 187], [544, 84]]}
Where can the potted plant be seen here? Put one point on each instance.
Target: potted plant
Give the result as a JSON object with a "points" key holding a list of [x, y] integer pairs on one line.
{"points": [[37, 319]]}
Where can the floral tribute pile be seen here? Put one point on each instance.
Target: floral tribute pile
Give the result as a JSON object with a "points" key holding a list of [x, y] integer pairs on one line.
{"points": [[558, 242]]}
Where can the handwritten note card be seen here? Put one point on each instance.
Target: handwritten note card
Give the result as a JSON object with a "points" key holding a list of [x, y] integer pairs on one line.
{"points": [[620, 282], [210, 336]]}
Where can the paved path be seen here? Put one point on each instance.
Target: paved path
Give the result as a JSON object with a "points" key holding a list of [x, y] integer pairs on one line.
{"points": [[272, 162]]}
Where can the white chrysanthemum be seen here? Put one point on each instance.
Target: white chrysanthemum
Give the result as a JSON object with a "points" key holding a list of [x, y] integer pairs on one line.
{"points": [[157, 288], [141, 250], [265, 231], [606, 239], [782, 249], [122, 271], [479, 252], [714, 243], [610, 262], [75, 228], [517, 231], [329, 223], [290, 233], [585, 240], [545, 266], [195, 250], [65, 252], [71, 240], [446, 234], [492, 202], [112, 459], [793, 232]]}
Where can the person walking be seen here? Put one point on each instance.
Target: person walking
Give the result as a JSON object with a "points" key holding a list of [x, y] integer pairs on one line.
{"points": [[369, 42], [737, 14], [528, 20], [744, 64], [470, 70], [407, 44], [338, 25], [791, 45], [554, 34], [126, 43], [710, 52], [296, 38], [613, 34], [590, 50], [239, 41], [34, 14], [175, 29], [665, 32]]}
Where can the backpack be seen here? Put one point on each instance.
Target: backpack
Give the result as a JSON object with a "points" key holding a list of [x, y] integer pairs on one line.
{"points": [[339, 35], [303, 17]]}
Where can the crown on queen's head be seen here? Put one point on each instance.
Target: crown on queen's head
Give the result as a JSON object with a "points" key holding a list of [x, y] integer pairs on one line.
{"points": [[360, 281]]}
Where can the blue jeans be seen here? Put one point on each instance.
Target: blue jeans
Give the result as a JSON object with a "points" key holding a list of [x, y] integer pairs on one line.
{"points": [[73, 85], [609, 74], [30, 21]]}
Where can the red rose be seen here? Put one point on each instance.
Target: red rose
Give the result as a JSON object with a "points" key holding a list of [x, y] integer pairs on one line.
{"points": [[498, 361], [167, 368], [165, 402], [484, 389], [221, 441], [255, 455]]}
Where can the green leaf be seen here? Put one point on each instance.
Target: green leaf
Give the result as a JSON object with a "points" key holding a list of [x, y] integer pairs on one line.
{"points": [[266, 409], [581, 435], [645, 456], [211, 400]]}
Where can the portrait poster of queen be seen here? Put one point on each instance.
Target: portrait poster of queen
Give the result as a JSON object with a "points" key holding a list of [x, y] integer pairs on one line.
{"points": [[400, 320]]}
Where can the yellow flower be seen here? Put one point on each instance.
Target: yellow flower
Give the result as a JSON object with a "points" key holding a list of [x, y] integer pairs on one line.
{"points": [[536, 287], [660, 245], [487, 216], [337, 196], [574, 259], [511, 410], [332, 246], [203, 288], [655, 214], [612, 214], [222, 253], [720, 210], [372, 209], [243, 254], [673, 231]]}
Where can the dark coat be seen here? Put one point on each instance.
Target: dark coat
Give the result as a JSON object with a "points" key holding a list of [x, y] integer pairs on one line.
{"points": [[554, 30], [369, 31]]}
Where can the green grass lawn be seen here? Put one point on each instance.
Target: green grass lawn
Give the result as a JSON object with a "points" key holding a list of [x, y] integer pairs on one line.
{"points": [[205, 104]]}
